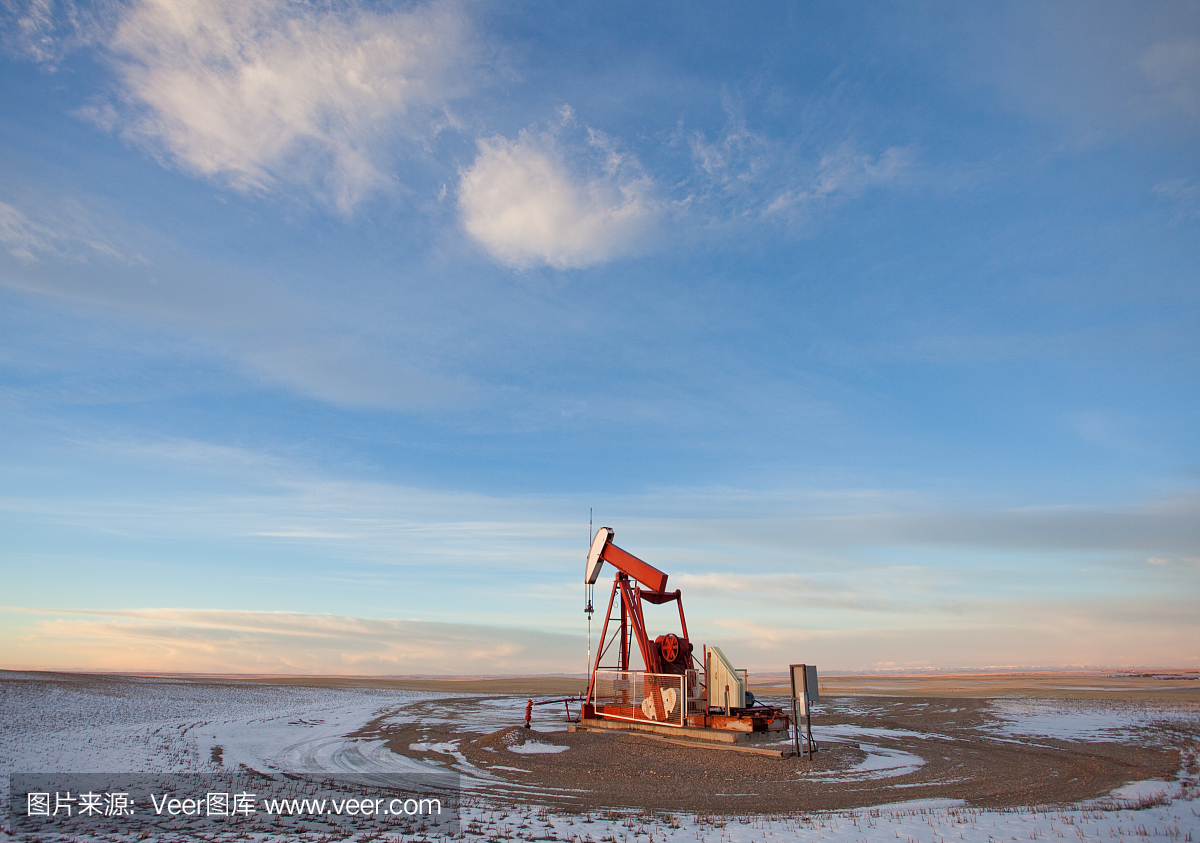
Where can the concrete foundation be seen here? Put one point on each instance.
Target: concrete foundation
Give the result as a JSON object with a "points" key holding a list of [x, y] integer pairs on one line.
{"points": [[689, 732]]}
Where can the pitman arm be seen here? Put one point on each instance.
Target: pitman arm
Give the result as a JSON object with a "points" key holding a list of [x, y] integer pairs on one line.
{"points": [[603, 550]]}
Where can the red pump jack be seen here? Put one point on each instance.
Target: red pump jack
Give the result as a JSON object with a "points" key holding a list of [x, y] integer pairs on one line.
{"points": [[670, 690]]}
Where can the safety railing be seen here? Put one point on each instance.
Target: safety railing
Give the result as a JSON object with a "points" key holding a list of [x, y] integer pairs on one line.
{"points": [[697, 700], [663, 698]]}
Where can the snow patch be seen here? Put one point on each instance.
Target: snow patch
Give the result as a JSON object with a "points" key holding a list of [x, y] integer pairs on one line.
{"points": [[535, 747]]}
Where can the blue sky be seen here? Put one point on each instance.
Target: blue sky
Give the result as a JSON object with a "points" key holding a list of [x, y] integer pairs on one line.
{"points": [[322, 327]]}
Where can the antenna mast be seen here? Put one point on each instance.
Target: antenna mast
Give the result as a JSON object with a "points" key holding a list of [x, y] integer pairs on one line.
{"points": [[587, 597]]}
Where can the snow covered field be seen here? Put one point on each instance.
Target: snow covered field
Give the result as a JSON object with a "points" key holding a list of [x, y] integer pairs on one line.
{"points": [[85, 724]]}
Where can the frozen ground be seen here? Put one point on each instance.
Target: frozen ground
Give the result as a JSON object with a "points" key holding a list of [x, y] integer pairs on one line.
{"points": [[102, 724], [1086, 721]]}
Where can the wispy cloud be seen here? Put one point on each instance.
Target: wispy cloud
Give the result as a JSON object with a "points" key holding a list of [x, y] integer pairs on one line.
{"points": [[1171, 66], [225, 641], [265, 93], [1184, 195], [68, 233], [864, 594], [844, 172], [566, 196], [1121, 631], [348, 372], [1111, 431], [47, 30], [694, 531], [1098, 72], [743, 173], [896, 520], [759, 578], [569, 196]]}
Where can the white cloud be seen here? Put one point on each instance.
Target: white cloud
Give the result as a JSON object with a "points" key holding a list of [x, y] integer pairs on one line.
{"points": [[256, 93], [542, 200]]}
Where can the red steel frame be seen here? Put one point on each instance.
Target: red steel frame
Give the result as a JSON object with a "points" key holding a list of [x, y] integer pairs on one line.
{"points": [[632, 621], [633, 627]]}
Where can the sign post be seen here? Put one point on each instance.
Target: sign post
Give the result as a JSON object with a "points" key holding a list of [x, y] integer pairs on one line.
{"points": [[804, 694]]}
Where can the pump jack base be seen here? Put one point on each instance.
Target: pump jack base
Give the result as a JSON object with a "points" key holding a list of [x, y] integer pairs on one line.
{"points": [[695, 733]]}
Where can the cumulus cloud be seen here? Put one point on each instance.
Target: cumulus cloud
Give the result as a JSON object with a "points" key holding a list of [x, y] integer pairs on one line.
{"points": [[259, 93], [544, 199]]}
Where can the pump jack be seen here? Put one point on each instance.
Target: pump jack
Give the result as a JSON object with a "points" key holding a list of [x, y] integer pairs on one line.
{"points": [[671, 689]]}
